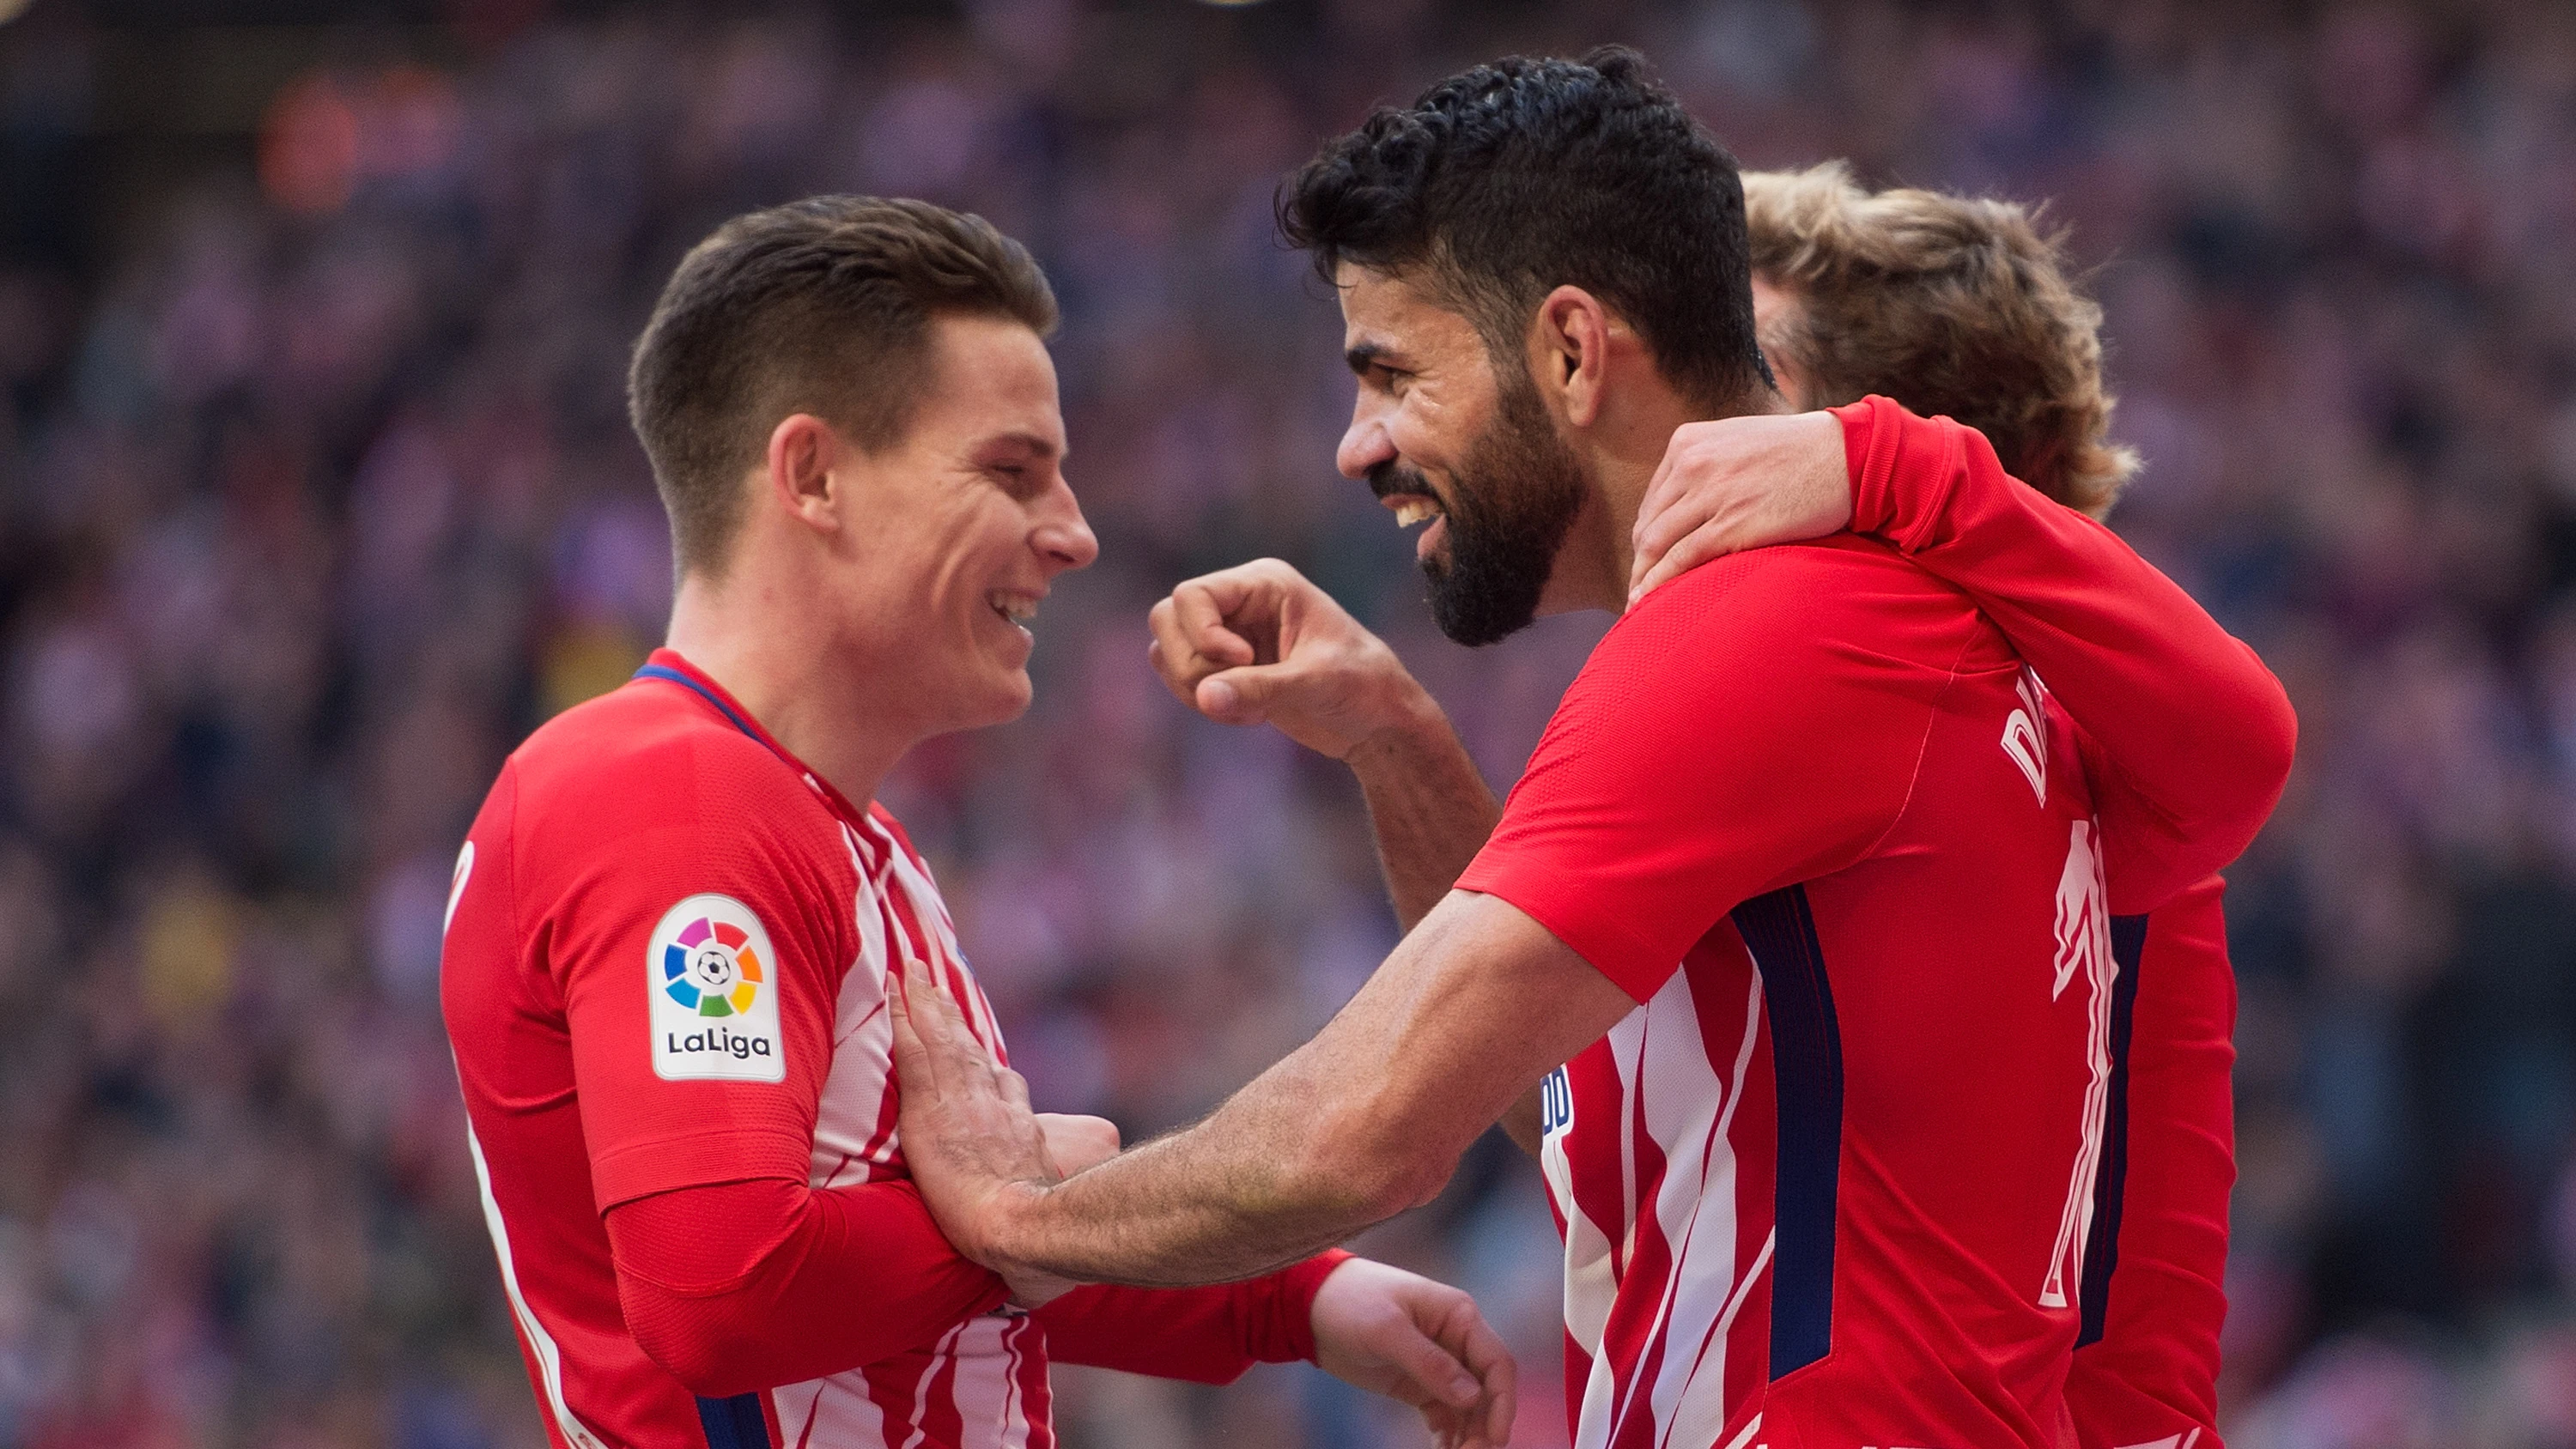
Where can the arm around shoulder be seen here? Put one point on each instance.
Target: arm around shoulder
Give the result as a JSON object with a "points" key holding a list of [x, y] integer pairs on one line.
{"points": [[2196, 735]]}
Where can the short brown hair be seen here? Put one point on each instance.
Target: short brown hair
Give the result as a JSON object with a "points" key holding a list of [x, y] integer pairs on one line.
{"points": [[1950, 305], [822, 306]]}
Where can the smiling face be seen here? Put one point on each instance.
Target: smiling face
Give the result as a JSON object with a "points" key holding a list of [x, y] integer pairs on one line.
{"points": [[1447, 440], [954, 534]]}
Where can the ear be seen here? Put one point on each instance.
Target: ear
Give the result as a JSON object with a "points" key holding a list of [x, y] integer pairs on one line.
{"points": [[1570, 352], [805, 452]]}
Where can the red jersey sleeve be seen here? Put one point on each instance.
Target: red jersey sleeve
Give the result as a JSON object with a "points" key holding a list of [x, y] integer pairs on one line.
{"points": [[1753, 723], [1205, 1335], [747, 1285], [2151, 1374], [697, 933], [2196, 735]]}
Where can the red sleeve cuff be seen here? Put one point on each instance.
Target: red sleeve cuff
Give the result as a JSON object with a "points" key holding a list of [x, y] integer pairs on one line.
{"points": [[1286, 1334], [1876, 434]]}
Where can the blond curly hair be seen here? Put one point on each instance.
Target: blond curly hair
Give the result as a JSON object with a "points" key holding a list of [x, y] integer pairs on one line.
{"points": [[1950, 305]]}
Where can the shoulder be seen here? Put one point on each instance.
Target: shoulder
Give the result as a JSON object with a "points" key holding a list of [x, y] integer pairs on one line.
{"points": [[1776, 613], [644, 758]]}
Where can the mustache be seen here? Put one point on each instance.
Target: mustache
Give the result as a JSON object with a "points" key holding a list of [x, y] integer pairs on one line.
{"points": [[1395, 476]]}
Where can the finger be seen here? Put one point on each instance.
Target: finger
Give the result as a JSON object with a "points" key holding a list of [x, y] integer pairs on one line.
{"points": [[1015, 1088], [1677, 519], [1428, 1365], [1473, 1340], [1462, 1332], [965, 1048], [915, 1067], [1661, 483], [1173, 659], [1201, 607], [1710, 541], [951, 1046]]}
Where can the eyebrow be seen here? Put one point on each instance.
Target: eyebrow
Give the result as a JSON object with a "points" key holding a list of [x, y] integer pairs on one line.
{"points": [[1366, 355], [1043, 447]]}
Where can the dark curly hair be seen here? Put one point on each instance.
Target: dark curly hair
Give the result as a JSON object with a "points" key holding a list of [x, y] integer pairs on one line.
{"points": [[1510, 179], [821, 306]]}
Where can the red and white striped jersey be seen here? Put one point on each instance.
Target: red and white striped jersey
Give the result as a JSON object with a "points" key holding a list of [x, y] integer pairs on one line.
{"points": [[666, 966]]}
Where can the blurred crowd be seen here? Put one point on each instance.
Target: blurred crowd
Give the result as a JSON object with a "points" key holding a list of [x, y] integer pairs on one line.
{"points": [[316, 494]]}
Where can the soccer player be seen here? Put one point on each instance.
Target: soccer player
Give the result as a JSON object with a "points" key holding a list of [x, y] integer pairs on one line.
{"points": [[1952, 306], [676, 922], [1962, 307], [1811, 783]]}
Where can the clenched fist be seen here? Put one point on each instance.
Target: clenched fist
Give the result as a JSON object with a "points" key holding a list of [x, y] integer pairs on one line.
{"points": [[1260, 644]]}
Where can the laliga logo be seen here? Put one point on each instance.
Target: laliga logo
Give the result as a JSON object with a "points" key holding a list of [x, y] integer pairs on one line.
{"points": [[712, 969], [715, 1010]]}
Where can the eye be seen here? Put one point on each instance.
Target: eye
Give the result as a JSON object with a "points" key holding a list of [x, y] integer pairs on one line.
{"points": [[1019, 480]]}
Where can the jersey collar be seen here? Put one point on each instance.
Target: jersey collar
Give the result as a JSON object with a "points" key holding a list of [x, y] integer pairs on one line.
{"points": [[668, 666]]}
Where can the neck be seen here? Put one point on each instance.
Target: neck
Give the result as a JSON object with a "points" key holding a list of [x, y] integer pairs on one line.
{"points": [[1627, 446], [776, 660]]}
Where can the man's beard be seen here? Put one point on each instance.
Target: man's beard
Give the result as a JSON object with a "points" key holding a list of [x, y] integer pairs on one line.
{"points": [[1511, 503]]}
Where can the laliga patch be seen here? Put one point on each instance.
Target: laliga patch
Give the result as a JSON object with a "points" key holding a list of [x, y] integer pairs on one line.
{"points": [[714, 987]]}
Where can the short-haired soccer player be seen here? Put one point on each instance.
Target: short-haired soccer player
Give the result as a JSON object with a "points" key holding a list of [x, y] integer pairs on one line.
{"points": [[677, 920], [1963, 307], [1811, 783]]}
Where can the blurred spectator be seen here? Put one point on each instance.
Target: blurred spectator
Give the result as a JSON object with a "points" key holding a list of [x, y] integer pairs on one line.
{"points": [[316, 495]]}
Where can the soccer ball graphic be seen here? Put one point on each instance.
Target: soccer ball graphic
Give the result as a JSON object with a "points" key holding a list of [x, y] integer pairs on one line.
{"points": [[711, 969]]}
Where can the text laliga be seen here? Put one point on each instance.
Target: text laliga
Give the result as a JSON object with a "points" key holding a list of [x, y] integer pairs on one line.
{"points": [[718, 1040]]}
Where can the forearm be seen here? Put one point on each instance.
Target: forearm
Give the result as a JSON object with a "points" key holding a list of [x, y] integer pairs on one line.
{"points": [[1361, 1123], [1428, 805], [1207, 1335], [746, 1285], [1254, 1187]]}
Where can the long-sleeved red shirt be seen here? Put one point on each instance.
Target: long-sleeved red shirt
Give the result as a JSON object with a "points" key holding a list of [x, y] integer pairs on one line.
{"points": [[664, 978], [2187, 765]]}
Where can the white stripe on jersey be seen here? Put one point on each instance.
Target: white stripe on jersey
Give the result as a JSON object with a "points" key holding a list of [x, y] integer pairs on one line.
{"points": [[1674, 1084], [1707, 1285], [549, 1357], [975, 1369]]}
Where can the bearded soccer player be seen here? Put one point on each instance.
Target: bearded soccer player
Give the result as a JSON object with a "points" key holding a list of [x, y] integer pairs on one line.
{"points": [[1813, 784], [1953, 306], [676, 923]]}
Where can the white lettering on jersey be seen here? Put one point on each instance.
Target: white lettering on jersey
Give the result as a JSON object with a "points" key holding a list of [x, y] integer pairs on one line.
{"points": [[456, 887], [713, 983], [2023, 738], [2083, 944]]}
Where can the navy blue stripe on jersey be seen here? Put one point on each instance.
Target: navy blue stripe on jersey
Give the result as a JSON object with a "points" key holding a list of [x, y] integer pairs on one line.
{"points": [[734, 1423], [1807, 1061], [2102, 1246], [664, 671]]}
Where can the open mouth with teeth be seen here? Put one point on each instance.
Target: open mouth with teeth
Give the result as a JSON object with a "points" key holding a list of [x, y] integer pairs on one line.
{"points": [[1413, 508], [1016, 609]]}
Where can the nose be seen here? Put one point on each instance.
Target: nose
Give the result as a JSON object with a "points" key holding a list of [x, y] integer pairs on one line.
{"points": [[1063, 538], [1366, 443]]}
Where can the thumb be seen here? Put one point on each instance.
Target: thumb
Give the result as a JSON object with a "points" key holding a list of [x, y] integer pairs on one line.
{"points": [[1239, 696]]}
